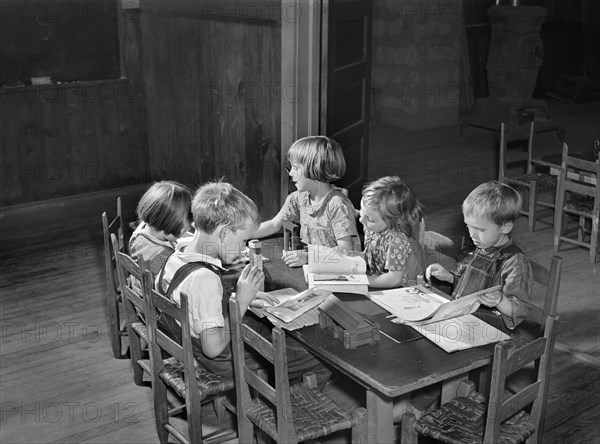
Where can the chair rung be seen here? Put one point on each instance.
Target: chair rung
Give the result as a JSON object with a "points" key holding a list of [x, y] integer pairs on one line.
{"points": [[176, 410], [173, 431], [144, 366], [575, 242]]}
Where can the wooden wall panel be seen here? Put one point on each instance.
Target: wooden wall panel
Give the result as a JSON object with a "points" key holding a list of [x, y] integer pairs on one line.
{"points": [[60, 140], [213, 95]]}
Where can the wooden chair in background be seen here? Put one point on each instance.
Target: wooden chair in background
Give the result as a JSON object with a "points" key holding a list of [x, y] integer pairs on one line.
{"points": [[532, 181], [286, 413], [181, 373], [581, 178], [470, 418], [130, 280], [117, 328]]}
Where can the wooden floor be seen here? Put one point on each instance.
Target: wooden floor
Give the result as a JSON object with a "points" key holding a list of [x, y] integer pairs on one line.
{"points": [[59, 382]]}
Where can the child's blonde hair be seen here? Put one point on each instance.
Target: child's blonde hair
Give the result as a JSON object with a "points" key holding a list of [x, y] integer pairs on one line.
{"points": [[495, 201], [166, 206], [395, 201], [220, 203], [321, 158]]}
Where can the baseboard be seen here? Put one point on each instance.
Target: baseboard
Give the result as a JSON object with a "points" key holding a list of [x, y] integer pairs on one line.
{"points": [[84, 208]]}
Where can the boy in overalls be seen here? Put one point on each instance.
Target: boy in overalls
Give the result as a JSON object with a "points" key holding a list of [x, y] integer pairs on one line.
{"points": [[489, 212]]}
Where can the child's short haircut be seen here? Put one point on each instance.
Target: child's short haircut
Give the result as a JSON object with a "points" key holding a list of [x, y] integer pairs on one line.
{"points": [[166, 206], [220, 203], [321, 158], [495, 201], [395, 202]]}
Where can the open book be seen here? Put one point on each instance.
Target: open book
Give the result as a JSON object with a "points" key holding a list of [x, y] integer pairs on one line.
{"points": [[291, 307], [334, 271], [418, 306], [448, 324]]}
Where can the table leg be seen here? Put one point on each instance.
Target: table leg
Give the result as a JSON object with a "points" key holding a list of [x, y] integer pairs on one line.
{"points": [[380, 418]]}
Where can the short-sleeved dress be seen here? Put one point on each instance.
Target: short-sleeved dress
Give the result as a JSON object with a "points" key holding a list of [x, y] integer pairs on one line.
{"points": [[390, 250], [322, 224]]}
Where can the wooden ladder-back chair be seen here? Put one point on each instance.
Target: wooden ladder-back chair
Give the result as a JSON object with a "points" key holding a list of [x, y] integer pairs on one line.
{"points": [[581, 178], [531, 181], [286, 413], [117, 328], [130, 280], [502, 419], [174, 371]]}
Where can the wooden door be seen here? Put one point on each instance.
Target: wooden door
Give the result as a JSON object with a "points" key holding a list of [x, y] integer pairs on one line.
{"points": [[346, 72]]}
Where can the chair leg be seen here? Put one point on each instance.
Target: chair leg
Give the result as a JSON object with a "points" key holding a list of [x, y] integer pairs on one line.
{"points": [[161, 415], [219, 405], [359, 431], [135, 352], [581, 229], [594, 239], [408, 434], [532, 204], [112, 302]]}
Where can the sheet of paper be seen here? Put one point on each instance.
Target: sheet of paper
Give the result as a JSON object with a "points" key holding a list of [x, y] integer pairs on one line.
{"points": [[460, 333]]}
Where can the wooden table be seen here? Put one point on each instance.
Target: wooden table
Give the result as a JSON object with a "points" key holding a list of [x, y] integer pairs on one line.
{"points": [[388, 370]]}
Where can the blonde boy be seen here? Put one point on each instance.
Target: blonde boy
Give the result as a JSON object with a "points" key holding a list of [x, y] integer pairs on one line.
{"points": [[489, 213]]}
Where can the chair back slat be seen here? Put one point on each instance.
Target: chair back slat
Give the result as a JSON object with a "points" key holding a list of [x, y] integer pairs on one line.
{"points": [[259, 343], [260, 385], [169, 345], [517, 359], [518, 402], [130, 280]]}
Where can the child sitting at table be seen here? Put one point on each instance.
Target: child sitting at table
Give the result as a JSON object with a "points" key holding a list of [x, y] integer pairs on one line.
{"points": [[164, 213], [391, 217], [489, 212], [224, 219], [325, 213]]}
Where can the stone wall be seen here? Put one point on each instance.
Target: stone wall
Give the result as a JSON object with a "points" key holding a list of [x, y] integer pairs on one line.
{"points": [[416, 62]]}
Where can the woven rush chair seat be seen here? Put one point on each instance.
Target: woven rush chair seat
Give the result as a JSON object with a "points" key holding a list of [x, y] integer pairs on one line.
{"points": [[209, 383], [579, 205], [462, 420], [314, 413], [545, 182], [141, 329]]}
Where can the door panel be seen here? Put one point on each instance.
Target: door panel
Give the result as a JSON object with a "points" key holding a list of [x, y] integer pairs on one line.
{"points": [[347, 59]]}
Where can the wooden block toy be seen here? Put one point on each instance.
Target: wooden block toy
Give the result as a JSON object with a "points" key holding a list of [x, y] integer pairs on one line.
{"points": [[346, 324]]}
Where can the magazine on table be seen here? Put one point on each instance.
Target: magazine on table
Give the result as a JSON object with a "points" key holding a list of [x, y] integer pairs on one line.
{"points": [[291, 307], [448, 323]]}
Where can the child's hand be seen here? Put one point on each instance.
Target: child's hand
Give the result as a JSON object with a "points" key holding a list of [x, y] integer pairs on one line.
{"points": [[295, 258], [249, 283], [353, 253], [491, 299], [439, 272], [264, 299]]}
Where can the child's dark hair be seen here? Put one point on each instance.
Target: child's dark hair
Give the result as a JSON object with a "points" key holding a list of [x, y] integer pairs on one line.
{"points": [[395, 201], [166, 206], [220, 203], [495, 201], [321, 158]]}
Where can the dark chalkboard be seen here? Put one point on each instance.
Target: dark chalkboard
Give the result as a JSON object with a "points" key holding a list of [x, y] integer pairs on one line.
{"points": [[65, 40]]}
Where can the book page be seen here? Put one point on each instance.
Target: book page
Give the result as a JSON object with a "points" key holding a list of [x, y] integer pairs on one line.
{"points": [[408, 303], [416, 305], [299, 304], [460, 333], [327, 260]]}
